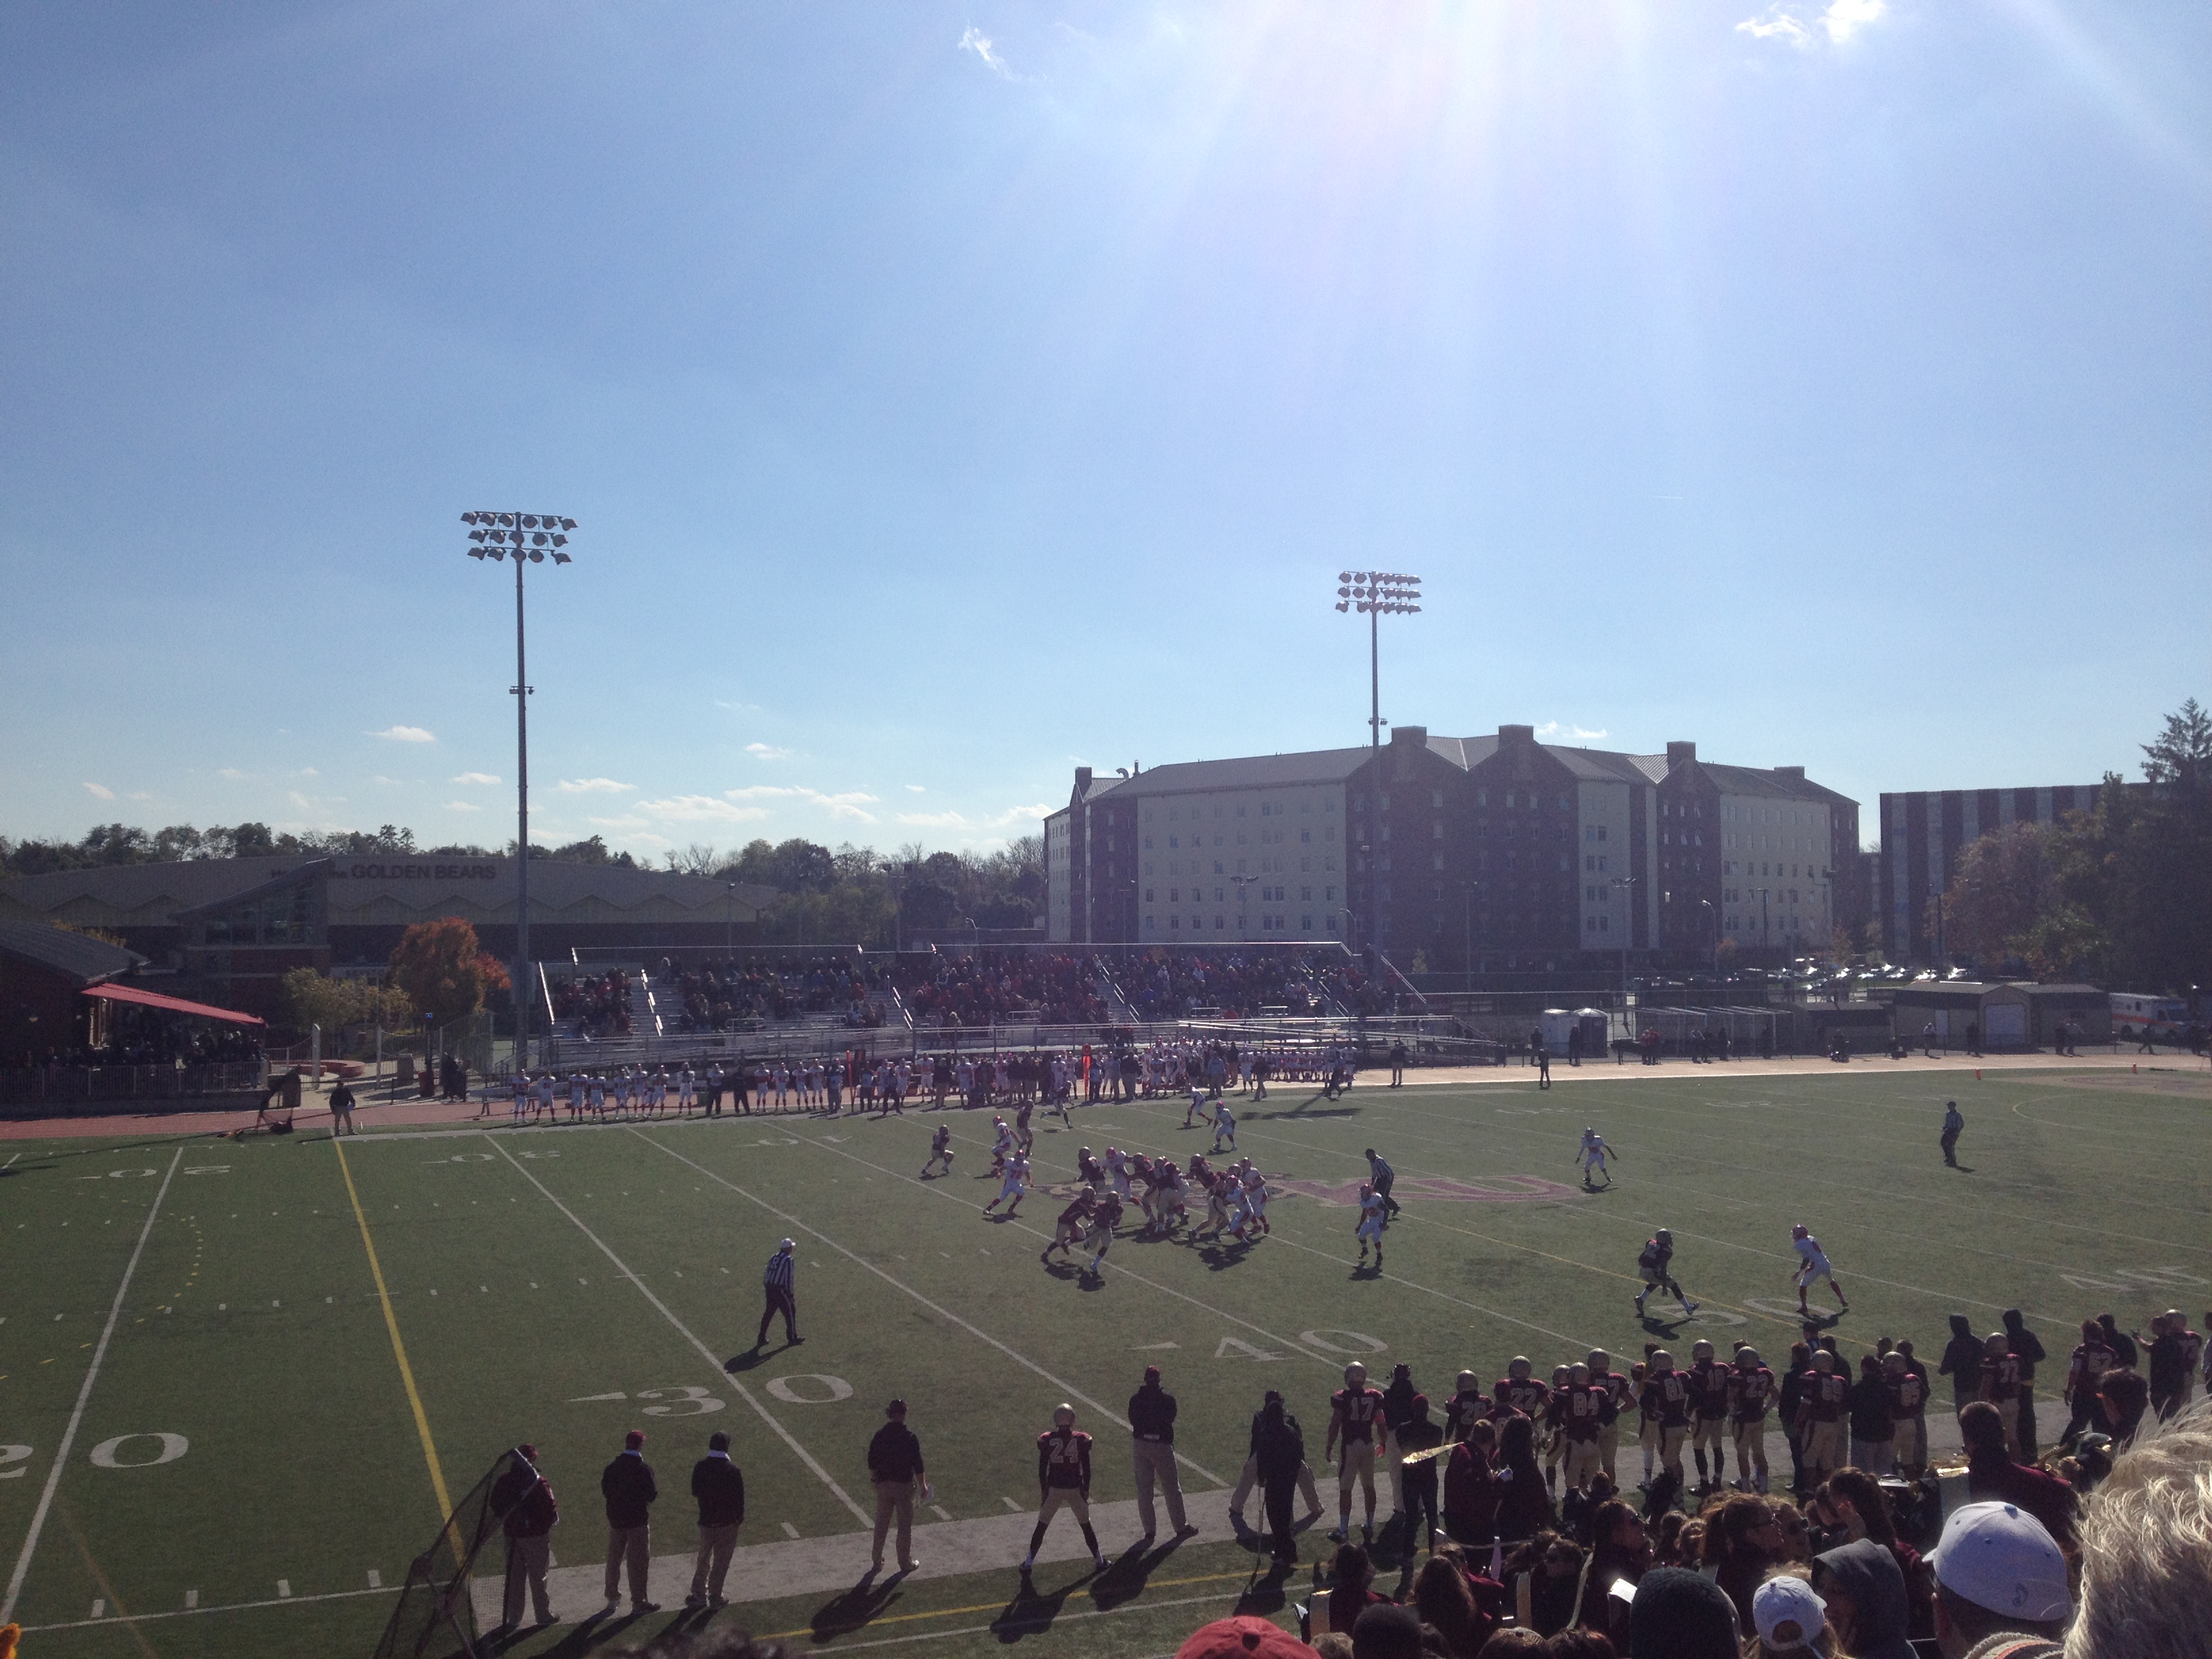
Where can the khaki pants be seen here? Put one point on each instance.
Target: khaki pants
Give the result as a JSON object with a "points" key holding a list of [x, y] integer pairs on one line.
{"points": [[627, 1544], [1750, 1445], [895, 1501], [716, 1546], [1154, 1460], [1355, 1464], [1583, 1461], [1712, 1435], [1397, 1471], [1064, 1498], [1824, 1447], [1911, 1442], [1608, 1448], [1670, 1448], [526, 1561]]}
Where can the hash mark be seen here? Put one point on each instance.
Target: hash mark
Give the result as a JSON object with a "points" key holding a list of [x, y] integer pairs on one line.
{"points": [[1010, 1503], [940, 1511], [790, 1531], [284, 1587], [191, 1599], [375, 1579]]}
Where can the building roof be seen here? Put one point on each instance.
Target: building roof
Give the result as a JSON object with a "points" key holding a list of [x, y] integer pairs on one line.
{"points": [[148, 895], [1247, 772], [171, 1005], [1759, 780], [77, 956]]}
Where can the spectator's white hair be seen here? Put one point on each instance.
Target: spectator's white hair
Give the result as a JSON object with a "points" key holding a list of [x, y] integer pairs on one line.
{"points": [[2147, 1549]]}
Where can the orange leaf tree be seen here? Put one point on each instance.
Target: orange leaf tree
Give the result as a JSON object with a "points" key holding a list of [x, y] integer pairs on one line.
{"points": [[443, 970]]}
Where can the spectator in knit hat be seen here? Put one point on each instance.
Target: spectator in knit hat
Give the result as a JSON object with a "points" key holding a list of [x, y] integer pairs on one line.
{"points": [[1387, 1632], [2001, 1585], [1678, 1614], [1243, 1638]]}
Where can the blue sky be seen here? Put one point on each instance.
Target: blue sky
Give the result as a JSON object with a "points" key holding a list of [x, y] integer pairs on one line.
{"points": [[951, 394]]}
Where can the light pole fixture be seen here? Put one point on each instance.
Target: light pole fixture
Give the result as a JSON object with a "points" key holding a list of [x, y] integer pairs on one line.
{"points": [[1374, 594], [526, 538], [1716, 915]]}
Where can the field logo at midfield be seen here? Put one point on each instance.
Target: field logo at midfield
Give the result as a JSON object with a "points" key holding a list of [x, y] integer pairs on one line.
{"points": [[1494, 1189]]}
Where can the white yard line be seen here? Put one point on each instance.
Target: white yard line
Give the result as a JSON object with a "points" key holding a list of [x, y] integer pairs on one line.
{"points": [[804, 1456], [83, 1399], [232, 1607], [942, 1312]]}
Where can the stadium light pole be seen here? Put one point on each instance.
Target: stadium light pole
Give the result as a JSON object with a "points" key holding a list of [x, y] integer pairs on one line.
{"points": [[1627, 886], [525, 537], [1373, 593]]}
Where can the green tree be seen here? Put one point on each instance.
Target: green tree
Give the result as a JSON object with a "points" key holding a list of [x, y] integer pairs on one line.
{"points": [[1998, 890], [309, 998]]}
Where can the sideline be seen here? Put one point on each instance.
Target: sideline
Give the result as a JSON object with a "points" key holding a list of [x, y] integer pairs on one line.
{"points": [[398, 1347], [1103, 1410], [83, 1399], [722, 1375]]}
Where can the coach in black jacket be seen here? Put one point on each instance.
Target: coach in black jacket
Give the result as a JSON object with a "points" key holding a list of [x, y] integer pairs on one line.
{"points": [[720, 1487], [1151, 1424], [627, 1485]]}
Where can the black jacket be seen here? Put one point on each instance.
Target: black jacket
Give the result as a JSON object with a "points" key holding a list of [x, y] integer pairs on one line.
{"points": [[720, 1487], [627, 1485], [895, 1453], [1152, 1414], [1280, 1446]]}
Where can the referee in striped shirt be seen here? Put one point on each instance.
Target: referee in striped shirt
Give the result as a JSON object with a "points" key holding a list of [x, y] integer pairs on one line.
{"points": [[778, 1279]]}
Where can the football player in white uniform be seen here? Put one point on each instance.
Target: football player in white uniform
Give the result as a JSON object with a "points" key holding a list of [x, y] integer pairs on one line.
{"points": [[1813, 1265], [1592, 1158], [1369, 1229], [1012, 1189]]}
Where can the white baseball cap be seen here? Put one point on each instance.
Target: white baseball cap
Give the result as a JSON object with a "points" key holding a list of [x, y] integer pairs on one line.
{"points": [[1788, 1615], [2000, 1558]]}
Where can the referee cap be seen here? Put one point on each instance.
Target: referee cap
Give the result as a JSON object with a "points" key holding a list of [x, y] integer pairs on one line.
{"points": [[788, 1244]]}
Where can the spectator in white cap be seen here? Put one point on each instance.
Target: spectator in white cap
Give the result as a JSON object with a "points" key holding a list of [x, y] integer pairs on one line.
{"points": [[2001, 1585], [1790, 1619], [2147, 1549]]}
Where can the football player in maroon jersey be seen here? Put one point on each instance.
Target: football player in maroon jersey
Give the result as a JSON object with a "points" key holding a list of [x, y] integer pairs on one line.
{"points": [[1519, 1392], [1750, 1393], [1581, 1407], [1555, 1445], [1666, 1397], [1708, 1401], [1355, 1425], [1063, 1482], [1822, 1419], [1908, 1407], [1074, 1222], [1623, 1395], [2001, 1386]]}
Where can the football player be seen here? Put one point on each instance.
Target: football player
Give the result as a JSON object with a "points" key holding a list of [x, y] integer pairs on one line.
{"points": [[1750, 1395], [1666, 1397], [1063, 1482], [1369, 1230], [1656, 1265], [1518, 1391], [1224, 1127], [1709, 1386], [1074, 1222], [1814, 1265], [1622, 1393], [1105, 1216], [940, 1150], [1355, 1424], [1012, 1189], [1592, 1157]]}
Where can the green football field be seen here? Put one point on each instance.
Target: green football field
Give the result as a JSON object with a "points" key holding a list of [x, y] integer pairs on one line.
{"points": [[266, 1367]]}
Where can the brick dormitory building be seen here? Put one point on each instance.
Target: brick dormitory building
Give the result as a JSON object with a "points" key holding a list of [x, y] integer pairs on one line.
{"points": [[1496, 852]]}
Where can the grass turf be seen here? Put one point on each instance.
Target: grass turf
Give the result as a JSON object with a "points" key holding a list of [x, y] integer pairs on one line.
{"points": [[532, 1275]]}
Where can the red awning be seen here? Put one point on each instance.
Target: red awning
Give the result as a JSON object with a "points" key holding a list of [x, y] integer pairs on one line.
{"points": [[174, 1004]]}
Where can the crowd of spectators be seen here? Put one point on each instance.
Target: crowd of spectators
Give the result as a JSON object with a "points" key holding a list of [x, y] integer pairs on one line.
{"points": [[145, 1036], [717, 996], [992, 986], [594, 1004], [1173, 984]]}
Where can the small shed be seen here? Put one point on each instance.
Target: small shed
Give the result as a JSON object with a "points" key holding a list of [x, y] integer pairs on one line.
{"points": [[2004, 1015]]}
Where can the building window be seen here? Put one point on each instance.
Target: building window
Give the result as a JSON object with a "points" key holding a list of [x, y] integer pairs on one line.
{"points": [[1219, 924], [1329, 895]]}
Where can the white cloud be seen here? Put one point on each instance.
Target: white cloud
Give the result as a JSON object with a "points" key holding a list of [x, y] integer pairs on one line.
{"points": [[593, 787], [405, 734], [974, 40], [738, 708], [767, 751], [469, 806], [228, 772], [1798, 24], [851, 804], [1013, 816], [307, 772], [101, 792], [918, 789], [378, 778], [142, 795], [700, 809], [477, 777], [1552, 730]]}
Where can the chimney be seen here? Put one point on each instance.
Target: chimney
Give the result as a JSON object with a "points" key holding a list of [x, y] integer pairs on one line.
{"points": [[1082, 781], [1516, 737], [1680, 754], [1795, 774], [1416, 735]]}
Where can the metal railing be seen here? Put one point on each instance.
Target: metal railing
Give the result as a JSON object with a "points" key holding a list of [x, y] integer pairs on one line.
{"points": [[61, 1086]]}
